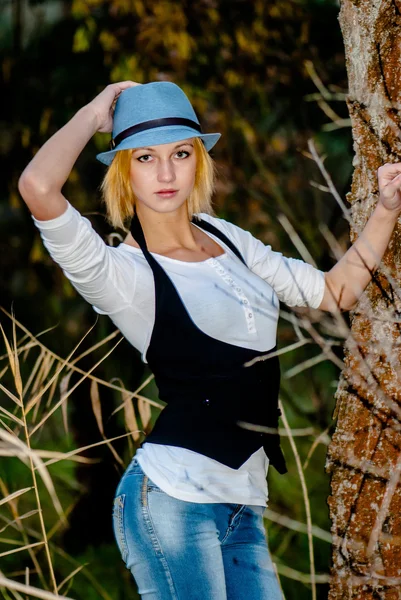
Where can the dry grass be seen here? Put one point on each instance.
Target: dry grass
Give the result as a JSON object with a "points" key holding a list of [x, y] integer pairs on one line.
{"points": [[34, 404]]}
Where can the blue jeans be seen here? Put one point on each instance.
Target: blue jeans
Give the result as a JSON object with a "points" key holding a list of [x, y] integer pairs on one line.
{"points": [[183, 550]]}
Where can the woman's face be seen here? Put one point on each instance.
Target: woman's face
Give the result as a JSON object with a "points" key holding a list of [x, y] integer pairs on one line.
{"points": [[163, 167]]}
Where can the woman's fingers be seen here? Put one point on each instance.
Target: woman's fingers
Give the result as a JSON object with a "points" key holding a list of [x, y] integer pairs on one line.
{"points": [[389, 179], [388, 171], [394, 183], [392, 186], [123, 85], [104, 103], [120, 87]]}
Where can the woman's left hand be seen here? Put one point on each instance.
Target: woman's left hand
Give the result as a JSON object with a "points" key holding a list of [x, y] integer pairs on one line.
{"points": [[389, 178]]}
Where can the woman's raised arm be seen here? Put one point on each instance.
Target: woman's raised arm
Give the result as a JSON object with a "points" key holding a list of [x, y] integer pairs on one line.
{"points": [[42, 180], [348, 278]]}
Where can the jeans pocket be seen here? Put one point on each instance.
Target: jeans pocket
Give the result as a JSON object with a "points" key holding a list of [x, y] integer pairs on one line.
{"points": [[118, 525]]}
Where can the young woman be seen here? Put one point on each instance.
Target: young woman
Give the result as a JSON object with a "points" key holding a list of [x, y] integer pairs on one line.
{"points": [[198, 297]]}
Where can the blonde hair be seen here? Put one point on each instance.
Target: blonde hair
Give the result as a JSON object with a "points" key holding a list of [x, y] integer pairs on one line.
{"points": [[120, 199]]}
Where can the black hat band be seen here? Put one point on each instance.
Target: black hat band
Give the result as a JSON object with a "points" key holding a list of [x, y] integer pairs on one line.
{"points": [[151, 125]]}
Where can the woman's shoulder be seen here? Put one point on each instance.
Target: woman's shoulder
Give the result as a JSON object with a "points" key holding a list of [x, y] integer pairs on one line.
{"points": [[221, 223], [252, 249], [236, 234]]}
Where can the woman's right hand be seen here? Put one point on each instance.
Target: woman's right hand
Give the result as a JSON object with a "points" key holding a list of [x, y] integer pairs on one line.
{"points": [[103, 104], [42, 180]]}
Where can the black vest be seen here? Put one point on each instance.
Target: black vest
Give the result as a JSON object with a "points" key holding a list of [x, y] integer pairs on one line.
{"points": [[207, 389]]}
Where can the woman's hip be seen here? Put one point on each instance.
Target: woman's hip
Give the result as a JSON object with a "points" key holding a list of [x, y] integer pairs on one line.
{"points": [[140, 502], [175, 548]]}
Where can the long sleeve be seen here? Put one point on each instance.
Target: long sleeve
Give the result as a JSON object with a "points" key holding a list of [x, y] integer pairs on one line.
{"points": [[295, 282], [95, 270]]}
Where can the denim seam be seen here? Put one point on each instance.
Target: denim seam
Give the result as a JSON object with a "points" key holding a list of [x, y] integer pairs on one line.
{"points": [[234, 520], [153, 537], [118, 516]]}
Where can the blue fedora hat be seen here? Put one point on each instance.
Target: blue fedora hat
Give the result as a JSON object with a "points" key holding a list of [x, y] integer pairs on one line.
{"points": [[153, 113]]}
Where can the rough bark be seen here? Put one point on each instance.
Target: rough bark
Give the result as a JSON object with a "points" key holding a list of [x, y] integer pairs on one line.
{"points": [[364, 457]]}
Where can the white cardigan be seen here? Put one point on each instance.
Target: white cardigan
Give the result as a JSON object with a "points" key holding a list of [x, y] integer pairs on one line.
{"points": [[223, 302]]}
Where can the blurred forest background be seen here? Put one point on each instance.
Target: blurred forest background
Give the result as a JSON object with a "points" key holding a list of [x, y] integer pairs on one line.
{"points": [[269, 76]]}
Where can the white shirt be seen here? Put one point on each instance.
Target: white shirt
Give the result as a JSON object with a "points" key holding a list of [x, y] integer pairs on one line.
{"points": [[225, 299]]}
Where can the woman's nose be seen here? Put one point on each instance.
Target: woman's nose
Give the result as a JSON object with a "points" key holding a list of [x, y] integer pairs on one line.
{"points": [[166, 171]]}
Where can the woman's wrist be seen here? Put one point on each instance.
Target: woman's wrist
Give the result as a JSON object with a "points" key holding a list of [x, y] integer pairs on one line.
{"points": [[89, 118], [50, 167], [384, 214]]}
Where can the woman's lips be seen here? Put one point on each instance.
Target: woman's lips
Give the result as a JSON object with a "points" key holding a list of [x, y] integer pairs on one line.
{"points": [[167, 194]]}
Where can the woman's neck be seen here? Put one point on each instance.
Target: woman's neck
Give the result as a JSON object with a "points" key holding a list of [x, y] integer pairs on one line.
{"points": [[166, 232]]}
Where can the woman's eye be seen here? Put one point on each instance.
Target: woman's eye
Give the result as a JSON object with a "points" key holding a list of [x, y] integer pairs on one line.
{"points": [[147, 155]]}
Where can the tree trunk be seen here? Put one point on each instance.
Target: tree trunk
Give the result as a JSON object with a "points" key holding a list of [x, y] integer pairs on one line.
{"points": [[364, 457]]}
